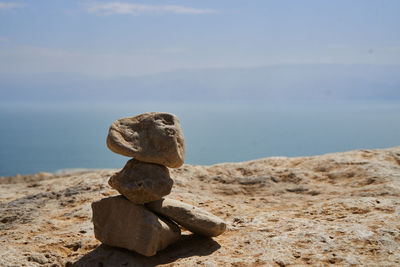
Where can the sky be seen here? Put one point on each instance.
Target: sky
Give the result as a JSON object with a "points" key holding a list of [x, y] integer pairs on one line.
{"points": [[133, 38]]}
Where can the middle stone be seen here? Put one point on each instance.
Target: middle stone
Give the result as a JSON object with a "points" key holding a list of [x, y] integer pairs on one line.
{"points": [[142, 182]]}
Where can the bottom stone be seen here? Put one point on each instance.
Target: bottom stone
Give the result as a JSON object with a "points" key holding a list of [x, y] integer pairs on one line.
{"points": [[121, 223]]}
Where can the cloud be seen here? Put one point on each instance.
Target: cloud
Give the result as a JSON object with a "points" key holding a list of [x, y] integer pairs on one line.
{"points": [[3, 39], [111, 8], [8, 5]]}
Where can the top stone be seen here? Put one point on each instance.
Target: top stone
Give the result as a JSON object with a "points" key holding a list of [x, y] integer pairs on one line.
{"points": [[150, 137]]}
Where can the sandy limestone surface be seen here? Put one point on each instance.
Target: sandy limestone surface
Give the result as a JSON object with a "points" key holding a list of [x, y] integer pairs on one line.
{"points": [[337, 209]]}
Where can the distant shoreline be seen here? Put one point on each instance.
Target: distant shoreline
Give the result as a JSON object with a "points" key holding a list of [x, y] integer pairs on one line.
{"points": [[74, 171]]}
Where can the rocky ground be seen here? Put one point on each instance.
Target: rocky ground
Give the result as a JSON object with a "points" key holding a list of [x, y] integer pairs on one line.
{"points": [[336, 209]]}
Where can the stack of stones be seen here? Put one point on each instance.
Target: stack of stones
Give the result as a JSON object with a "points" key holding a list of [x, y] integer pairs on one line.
{"points": [[140, 219]]}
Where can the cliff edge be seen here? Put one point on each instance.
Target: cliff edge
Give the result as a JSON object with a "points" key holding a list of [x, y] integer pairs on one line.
{"points": [[335, 209]]}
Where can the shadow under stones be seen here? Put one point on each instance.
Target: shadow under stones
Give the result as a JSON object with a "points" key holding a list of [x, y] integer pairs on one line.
{"points": [[186, 246]]}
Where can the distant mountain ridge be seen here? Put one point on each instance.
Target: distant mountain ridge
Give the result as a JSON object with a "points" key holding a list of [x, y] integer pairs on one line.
{"points": [[282, 82]]}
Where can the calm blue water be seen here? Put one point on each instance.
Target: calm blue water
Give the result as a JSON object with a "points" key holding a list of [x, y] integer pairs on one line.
{"points": [[34, 138]]}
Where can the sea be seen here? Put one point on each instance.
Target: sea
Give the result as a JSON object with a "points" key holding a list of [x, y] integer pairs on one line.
{"points": [[62, 136]]}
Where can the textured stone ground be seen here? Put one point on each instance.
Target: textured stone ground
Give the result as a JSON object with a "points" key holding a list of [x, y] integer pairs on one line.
{"points": [[337, 209]]}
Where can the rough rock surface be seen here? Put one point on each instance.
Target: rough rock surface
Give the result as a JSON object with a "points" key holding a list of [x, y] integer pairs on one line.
{"points": [[194, 219], [142, 182], [338, 209], [121, 223], [151, 137]]}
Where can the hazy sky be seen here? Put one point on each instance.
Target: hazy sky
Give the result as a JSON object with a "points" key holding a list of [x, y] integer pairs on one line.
{"points": [[105, 38]]}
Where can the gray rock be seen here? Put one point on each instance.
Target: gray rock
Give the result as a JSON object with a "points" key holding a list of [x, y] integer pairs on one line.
{"points": [[142, 182], [150, 137], [121, 223], [191, 218], [39, 258]]}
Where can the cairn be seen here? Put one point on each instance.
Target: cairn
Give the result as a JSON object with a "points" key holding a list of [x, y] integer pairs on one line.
{"points": [[141, 219]]}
